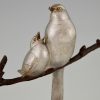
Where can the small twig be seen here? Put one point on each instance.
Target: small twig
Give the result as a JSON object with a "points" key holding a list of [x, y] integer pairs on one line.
{"points": [[2, 65], [83, 52]]}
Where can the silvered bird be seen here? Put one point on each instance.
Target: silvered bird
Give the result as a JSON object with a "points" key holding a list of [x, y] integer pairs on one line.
{"points": [[60, 37], [36, 59]]}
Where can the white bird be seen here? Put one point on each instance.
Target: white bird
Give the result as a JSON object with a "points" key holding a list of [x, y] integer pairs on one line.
{"points": [[60, 37], [36, 59]]}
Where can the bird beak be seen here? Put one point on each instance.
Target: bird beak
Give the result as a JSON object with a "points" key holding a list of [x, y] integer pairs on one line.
{"points": [[51, 9]]}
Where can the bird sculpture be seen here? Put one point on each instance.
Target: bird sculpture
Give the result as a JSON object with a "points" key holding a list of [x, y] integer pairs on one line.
{"points": [[36, 59], [60, 37]]}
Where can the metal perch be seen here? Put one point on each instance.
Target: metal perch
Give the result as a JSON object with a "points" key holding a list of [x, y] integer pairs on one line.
{"points": [[82, 52]]}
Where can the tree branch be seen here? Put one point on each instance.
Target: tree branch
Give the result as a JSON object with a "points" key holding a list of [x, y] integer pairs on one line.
{"points": [[82, 52]]}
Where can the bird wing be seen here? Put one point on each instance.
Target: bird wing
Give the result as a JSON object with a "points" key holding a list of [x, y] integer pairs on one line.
{"points": [[34, 67], [28, 65]]}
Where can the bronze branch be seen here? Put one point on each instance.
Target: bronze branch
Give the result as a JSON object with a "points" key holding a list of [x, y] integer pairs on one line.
{"points": [[82, 52]]}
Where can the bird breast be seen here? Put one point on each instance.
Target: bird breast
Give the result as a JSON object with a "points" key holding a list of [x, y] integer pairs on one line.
{"points": [[60, 41]]}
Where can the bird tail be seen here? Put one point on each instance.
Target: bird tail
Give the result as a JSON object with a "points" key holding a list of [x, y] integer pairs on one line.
{"points": [[25, 70], [57, 85], [23, 73]]}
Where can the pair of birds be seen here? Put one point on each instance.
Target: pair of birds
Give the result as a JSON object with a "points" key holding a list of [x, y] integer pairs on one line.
{"points": [[55, 51]]}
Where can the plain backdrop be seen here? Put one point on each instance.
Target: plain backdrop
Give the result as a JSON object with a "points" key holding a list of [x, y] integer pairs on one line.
{"points": [[21, 19]]}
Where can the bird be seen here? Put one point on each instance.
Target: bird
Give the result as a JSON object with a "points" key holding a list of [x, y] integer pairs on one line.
{"points": [[60, 39], [36, 59]]}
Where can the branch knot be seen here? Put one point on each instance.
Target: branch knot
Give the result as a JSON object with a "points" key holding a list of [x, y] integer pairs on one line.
{"points": [[82, 51], [98, 42]]}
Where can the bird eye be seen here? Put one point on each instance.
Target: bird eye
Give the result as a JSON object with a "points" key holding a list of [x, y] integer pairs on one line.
{"points": [[59, 8]]}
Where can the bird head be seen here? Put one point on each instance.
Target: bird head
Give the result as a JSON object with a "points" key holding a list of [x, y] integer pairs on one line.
{"points": [[35, 39], [59, 12], [56, 8]]}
